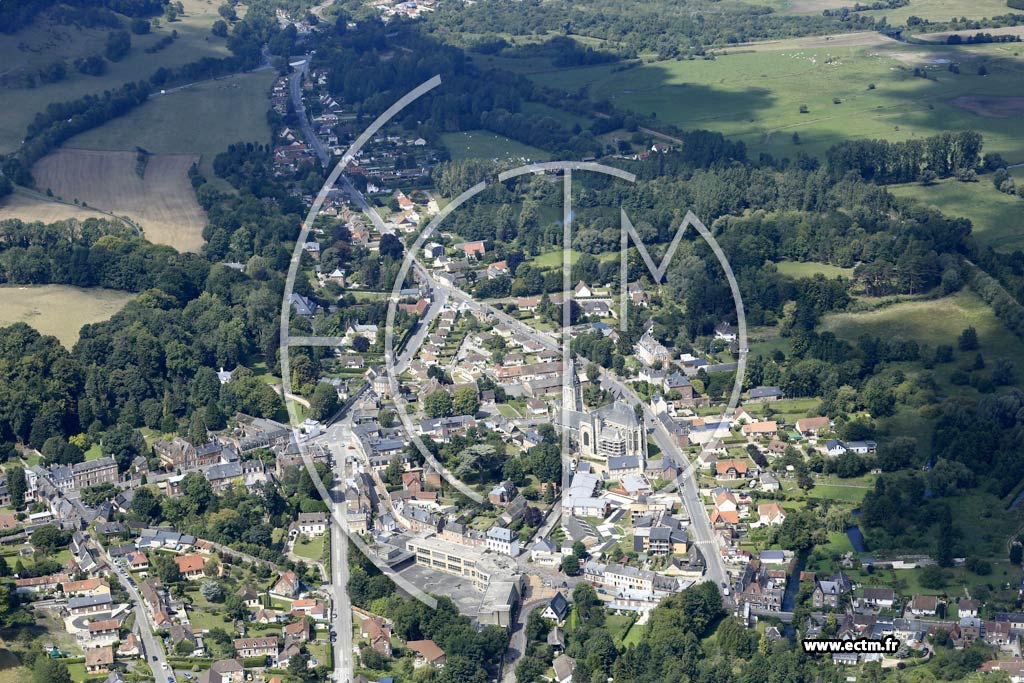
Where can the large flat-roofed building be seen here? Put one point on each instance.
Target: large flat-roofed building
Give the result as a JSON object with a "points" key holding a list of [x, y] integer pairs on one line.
{"points": [[496, 576], [453, 558]]}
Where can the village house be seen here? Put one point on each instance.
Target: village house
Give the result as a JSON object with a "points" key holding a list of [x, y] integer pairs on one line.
{"points": [[770, 514], [879, 598], [265, 646], [190, 566], [98, 660], [730, 469], [766, 429], [312, 524], [287, 587], [812, 426], [427, 653]]}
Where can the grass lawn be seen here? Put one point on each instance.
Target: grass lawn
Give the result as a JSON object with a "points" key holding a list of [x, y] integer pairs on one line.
{"points": [[618, 626], [849, 494], [633, 636], [44, 41], [508, 411], [998, 218], [799, 269], [755, 93], [59, 310], [481, 144], [191, 121], [204, 619], [94, 453], [789, 410], [312, 548]]}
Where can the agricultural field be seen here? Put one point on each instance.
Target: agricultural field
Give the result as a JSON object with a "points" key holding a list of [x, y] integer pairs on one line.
{"points": [[161, 201], [481, 144], [942, 10], [933, 10], [191, 121], [59, 310], [755, 93], [45, 42], [30, 208], [998, 218]]}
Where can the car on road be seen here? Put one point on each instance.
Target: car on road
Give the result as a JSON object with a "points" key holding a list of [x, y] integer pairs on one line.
{"points": [[154, 658], [187, 675], [334, 615]]}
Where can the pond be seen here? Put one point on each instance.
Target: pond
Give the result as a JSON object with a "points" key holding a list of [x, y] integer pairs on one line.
{"points": [[856, 539]]}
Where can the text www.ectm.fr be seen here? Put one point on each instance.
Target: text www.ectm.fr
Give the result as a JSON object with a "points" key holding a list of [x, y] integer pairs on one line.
{"points": [[887, 645]]}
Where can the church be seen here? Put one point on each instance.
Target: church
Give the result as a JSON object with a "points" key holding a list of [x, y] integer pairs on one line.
{"points": [[611, 431]]}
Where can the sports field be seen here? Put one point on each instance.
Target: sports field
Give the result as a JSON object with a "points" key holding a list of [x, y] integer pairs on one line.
{"points": [[161, 202], [756, 93], [45, 42], [57, 309], [997, 218], [202, 119]]}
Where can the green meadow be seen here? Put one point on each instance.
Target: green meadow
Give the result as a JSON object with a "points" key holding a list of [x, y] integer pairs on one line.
{"points": [[755, 93], [481, 144], [44, 42], [997, 218]]}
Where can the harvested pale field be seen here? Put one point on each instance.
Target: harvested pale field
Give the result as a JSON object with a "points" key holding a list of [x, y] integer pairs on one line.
{"points": [[31, 209], [58, 309], [161, 202], [856, 39], [991, 107], [941, 37]]}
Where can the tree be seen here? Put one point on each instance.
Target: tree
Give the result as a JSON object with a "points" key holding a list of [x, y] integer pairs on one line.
{"points": [[166, 568], [324, 402], [297, 666], [219, 28], [530, 670], [118, 45], [393, 473], [50, 539], [145, 504], [571, 565], [212, 591], [123, 443], [49, 670], [466, 401], [360, 343], [968, 340], [438, 404], [197, 434], [16, 485]]}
